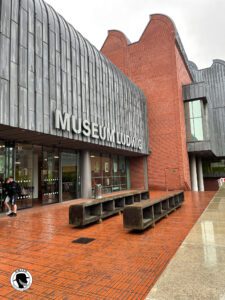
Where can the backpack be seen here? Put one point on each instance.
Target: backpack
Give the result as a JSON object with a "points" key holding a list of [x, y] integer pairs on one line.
{"points": [[13, 188]]}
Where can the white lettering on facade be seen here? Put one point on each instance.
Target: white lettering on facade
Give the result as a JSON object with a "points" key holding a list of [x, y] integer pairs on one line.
{"points": [[67, 122], [86, 128], [62, 122], [76, 125], [102, 132], [94, 130], [110, 135]]}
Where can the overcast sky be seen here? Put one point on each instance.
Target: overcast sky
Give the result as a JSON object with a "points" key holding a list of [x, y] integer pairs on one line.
{"points": [[200, 23]]}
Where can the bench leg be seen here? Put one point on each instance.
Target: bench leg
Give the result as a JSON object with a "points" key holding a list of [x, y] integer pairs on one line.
{"points": [[100, 221]]}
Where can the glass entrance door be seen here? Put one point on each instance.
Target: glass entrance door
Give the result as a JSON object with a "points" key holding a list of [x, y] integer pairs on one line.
{"points": [[70, 171], [50, 176], [24, 174]]}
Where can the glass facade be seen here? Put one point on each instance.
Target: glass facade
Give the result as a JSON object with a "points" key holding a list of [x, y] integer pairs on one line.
{"points": [[24, 173], [214, 169], [110, 171], [194, 114], [49, 175], [38, 171]]}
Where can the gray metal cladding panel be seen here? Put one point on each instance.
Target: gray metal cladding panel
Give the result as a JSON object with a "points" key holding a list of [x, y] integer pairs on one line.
{"points": [[23, 67], [31, 91], [52, 81], [4, 56], [5, 17], [39, 113], [23, 111], [52, 50], [31, 52], [24, 4], [14, 42], [30, 16], [45, 64], [4, 101], [39, 75], [214, 79], [14, 84], [15, 9], [45, 61], [23, 27], [38, 10], [195, 91], [38, 38]]}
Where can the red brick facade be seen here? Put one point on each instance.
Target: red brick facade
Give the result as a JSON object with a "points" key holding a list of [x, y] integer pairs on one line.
{"points": [[156, 65], [137, 173]]}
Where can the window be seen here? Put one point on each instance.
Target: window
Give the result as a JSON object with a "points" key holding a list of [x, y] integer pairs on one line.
{"points": [[194, 114], [214, 168], [110, 171]]}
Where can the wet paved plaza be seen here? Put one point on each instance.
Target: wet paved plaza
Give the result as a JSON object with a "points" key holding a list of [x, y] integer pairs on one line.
{"points": [[116, 265]]}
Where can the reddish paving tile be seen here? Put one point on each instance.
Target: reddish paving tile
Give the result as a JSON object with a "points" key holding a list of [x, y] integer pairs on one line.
{"points": [[117, 265]]}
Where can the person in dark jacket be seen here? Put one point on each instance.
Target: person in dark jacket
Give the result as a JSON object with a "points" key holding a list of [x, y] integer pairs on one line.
{"points": [[13, 192], [6, 196], [2, 197]]}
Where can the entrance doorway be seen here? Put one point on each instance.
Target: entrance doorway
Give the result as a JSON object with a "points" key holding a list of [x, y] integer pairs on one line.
{"points": [[70, 175], [45, 175]]}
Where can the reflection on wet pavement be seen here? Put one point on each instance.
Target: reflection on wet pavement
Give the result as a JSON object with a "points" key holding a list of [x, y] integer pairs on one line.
{"points": [[197, 271], [116, 265]]}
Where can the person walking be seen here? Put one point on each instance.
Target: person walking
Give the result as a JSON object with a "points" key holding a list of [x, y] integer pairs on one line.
{"points": [[13, 191], [5, 195], [1, 194]]}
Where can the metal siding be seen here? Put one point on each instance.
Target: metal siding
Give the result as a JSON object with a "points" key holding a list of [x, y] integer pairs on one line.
{"points": [[46, 64], [23, 28], [5, 17], [213, 86], [15, 10], [4, 101], [13, 94], [14, 42], [22, 107], [4, 56]]}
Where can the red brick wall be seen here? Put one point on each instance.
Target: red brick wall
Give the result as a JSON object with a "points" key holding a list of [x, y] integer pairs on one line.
{"points": [[156, 66], [137, 179], [182, 79]]}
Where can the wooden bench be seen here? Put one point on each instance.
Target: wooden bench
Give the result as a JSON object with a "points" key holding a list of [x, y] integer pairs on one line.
{"points": [[146, 213], [95, 210]]}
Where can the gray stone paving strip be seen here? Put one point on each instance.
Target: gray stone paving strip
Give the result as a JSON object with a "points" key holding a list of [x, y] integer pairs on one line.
{"points": [[197, 271]]}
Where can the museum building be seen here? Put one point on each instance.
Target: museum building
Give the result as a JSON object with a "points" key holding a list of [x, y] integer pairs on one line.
{"points": [[69, 119], [131, 116]]}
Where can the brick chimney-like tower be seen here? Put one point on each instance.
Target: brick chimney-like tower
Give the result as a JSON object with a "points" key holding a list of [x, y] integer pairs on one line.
{"points": [[156, 63]]}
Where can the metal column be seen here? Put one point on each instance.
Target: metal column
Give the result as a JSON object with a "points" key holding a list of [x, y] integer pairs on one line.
{"points": [[200, 175], [85, 175], [194, 179]]}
